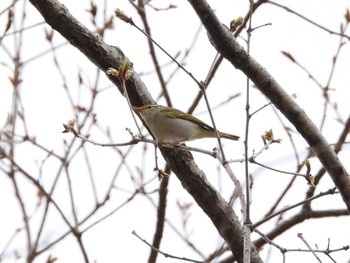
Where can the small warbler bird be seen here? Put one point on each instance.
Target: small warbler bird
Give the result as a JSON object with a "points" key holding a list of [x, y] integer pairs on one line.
{"points": [[171, 125]]}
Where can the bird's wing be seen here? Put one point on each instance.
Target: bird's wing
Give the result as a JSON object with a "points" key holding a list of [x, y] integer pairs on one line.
{"points": [[181, 115]]}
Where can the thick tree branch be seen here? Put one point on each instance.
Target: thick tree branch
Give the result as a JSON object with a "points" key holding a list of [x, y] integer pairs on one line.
{"points": [[181, 162], [222, 39]]}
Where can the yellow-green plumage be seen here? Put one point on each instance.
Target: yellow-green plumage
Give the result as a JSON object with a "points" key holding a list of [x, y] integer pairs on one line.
{"points": [[171, 125]]}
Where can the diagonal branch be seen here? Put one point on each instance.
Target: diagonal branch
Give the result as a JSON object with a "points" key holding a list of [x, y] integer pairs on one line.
{"points": [[222, 39]]}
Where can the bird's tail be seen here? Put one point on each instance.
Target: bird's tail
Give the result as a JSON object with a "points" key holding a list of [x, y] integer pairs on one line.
{"points": [[229, 136]]}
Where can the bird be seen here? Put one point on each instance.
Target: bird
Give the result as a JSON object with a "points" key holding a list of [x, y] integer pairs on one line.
{"points": [[171, 125]]}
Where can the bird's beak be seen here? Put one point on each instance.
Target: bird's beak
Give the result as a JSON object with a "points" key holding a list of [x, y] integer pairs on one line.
{"points": [[137, 109]]}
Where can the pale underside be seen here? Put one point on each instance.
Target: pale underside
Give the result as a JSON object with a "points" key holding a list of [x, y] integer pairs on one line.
{"points": [[172, 130]]}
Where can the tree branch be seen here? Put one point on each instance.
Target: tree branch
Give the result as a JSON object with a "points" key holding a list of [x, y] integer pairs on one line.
{"points": [[224, 42]]}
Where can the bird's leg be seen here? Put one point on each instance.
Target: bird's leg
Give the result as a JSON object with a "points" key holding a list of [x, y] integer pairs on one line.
{"points": [[159, 144], [175, 146]]}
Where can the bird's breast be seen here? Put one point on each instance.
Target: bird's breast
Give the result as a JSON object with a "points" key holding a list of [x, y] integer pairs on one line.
{"points": [[167, 129]]}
